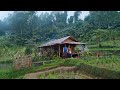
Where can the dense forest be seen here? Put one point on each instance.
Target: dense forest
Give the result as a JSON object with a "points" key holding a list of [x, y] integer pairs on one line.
{"points": [[26, 27]]}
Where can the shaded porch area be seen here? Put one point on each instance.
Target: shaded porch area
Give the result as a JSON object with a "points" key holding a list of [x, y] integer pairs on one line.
{"points": [[57, 50]]}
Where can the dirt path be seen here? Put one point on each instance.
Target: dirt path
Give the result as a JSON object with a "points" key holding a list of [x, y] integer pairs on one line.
{"points": [[36, 74]]}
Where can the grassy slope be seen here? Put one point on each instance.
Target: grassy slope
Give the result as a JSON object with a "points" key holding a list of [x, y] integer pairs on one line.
{"points": [[6, 54], [102, 63], [94, 66], [107, 45], [63, 75], [14, 74], [106, 69]]}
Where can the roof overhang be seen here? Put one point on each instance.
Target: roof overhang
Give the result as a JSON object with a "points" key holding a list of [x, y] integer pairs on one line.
{"points": [[73, 43], [76, 43]]}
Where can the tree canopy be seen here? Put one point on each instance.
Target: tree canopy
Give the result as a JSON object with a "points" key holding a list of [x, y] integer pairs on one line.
{"points": [[25, 27]]}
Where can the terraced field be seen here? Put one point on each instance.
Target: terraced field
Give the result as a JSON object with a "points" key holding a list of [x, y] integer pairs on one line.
{"points": [[58, 73], [64, 75]]}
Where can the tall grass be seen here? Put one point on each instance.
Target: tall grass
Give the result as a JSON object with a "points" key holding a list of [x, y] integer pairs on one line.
{"points": [[8, 53], [18, 74], [63, 75], [110, 64], [96, 68]]}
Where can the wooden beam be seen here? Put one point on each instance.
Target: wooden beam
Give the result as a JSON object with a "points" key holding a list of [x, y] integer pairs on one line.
{"points": [[51, 49], [59, 50]]}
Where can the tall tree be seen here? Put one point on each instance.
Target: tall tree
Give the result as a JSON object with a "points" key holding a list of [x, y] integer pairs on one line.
{"points": [[70, 20], [76, 15], [22, 26], [104, 19], [65, 17], [2, 31]]}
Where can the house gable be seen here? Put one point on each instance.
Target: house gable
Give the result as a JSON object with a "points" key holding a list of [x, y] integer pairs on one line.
{"points": [[70, 39]]}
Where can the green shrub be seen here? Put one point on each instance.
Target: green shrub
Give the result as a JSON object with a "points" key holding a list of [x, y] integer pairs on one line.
{"points": [[71, 62], [36, 58], [6, 62], [87, 54], [28, 51]]}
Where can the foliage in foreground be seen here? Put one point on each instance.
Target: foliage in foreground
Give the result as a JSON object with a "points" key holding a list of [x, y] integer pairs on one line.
{"points": [[100, 68], [106, 69], [14, 74]]}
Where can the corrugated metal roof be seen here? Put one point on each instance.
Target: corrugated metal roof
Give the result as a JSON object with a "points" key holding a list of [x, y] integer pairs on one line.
{"points": [[58, 41]]}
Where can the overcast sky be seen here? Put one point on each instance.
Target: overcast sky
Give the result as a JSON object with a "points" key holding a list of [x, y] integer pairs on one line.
{"points": [[4, 14]]}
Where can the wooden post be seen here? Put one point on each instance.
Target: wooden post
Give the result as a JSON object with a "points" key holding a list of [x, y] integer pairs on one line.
{"points": [[51, 49], [59, 50]]}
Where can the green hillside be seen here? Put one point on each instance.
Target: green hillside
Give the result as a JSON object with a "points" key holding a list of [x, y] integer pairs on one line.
{"points": [[22, 32]]}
